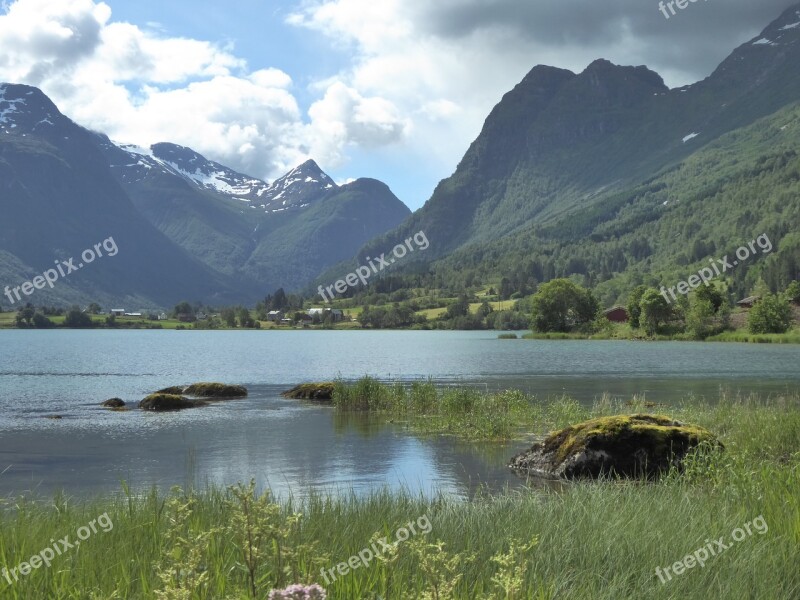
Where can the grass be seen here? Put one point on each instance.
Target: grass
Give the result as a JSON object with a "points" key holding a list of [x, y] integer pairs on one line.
{"points": [[432, 313], [600, 540], [425, 407], [791, 337]]}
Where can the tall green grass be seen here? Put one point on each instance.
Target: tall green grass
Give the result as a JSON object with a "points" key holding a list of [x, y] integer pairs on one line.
{"points": [[467, 412], [791, 337], [594, 540]]}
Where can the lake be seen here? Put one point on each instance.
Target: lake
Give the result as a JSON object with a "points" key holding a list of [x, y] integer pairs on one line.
{"points": [[298, 447]]}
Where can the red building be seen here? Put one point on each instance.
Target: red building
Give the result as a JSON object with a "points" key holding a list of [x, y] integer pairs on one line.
{"points": [[617, 314]]}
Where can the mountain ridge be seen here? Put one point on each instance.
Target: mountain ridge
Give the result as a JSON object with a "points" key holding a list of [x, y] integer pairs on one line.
{"points": [[217, 228], [558, 139]]}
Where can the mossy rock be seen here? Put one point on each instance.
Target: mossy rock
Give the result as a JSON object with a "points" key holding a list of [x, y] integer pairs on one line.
{"points": [[166, 402], [113, 403], [311, 391], [175, 390], [215, 390], [623, 445]]}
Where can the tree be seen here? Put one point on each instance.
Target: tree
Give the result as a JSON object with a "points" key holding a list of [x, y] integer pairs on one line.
{"points": [[94, 309], [506, 289], [485, 309], [771, 314], [700, 318], [228, 316], [561, 305], [711, 294], [792, 292], [184, 308], [279, 301], [507, 320], [42, 322], [246, 320], [77, 319], [25, 315], [634, 305], [261, 311], [656, 311], [459, 308]]}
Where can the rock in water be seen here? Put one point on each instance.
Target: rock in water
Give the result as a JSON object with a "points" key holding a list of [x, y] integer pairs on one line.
{"points": [[311, 391], [165, 402], [622, 445], [216, 390], [175, 390], [113, 403]]}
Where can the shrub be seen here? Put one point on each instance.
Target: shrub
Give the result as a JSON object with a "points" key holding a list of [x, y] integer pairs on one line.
{"points": [[771, 314]]}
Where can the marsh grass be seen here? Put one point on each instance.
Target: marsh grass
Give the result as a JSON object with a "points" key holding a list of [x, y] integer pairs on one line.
{"points": [[465, 412], [591, 540]]}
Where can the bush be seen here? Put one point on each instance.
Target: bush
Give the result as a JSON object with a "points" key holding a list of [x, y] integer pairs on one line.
{"points": [[77, 319], [771, 314]]}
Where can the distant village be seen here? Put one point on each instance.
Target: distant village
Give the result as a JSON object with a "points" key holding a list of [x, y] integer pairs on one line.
{"points": [[311, 316]]}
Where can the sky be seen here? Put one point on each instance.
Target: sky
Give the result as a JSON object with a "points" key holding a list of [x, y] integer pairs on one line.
{"points": [[390, 89]]}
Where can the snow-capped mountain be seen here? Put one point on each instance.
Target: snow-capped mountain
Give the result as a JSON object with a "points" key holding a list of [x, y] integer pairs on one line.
{"points": [[297, 189], [25, 111], [187, 227]]}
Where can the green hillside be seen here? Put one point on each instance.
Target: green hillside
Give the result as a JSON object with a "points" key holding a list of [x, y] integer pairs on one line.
{"points": [[612, 179]]}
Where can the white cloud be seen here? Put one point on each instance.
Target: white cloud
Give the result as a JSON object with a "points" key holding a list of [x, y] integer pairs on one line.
{"points": [[344, 116], [140, 86]]}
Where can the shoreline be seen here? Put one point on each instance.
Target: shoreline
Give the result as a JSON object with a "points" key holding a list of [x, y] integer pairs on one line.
{"points": [[737, 336]]}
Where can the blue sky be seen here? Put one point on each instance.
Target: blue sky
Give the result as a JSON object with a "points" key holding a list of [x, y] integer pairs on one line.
{"points": [[390, 89]]}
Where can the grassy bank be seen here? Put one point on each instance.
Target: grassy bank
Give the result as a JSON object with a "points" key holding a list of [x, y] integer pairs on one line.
{"points": [[590, 541], [792, 337]]}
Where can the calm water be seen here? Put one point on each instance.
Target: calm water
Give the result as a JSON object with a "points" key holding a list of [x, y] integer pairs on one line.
{"points": [[296, 446]]}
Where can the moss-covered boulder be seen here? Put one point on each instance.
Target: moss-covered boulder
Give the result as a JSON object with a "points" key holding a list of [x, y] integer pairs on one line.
{"points": [[215, 390], [166, 402], [175, 390], [311, 391], [622, 445], [113, 403]]}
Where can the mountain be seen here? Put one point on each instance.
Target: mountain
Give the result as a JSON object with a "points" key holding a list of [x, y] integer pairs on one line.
{"points": [[560, 141], [282, 234], [59, 197], [582, 175], [298, 188], [186, 227]]}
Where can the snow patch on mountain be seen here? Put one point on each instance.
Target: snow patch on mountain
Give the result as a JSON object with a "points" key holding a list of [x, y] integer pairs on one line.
{"points": [[8, 106], [295, 190]]}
